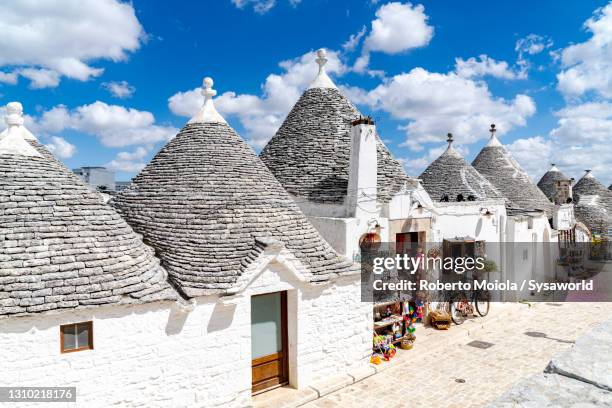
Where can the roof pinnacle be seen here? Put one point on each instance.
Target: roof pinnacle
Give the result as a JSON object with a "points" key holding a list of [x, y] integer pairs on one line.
{"points": [[322, 80], [208, 113], [13, 140], [493, 141]]}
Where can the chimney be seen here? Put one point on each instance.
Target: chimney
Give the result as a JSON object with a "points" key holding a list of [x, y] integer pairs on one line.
{"points": [[363, 166]]}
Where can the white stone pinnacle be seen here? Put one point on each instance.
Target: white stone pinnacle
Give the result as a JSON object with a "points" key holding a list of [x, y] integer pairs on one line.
{"points": [[553, 167], [14, 114], [493, 141], [588, 173], [322, 80], [13, 141], [208, 113]]}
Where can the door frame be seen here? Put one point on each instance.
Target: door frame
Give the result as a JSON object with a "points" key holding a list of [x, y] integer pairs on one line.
{"points": [[284, 358]]}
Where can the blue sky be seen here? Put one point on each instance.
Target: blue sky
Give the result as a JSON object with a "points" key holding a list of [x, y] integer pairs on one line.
{"points": [[113, 88]]}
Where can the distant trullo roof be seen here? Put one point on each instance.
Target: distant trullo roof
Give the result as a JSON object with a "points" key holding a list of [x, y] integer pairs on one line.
{"points": [[591, 211], [588, 185], [310, 152], [499, 167], [60, 246], [209, 207], [548, 181], [450, 175]]}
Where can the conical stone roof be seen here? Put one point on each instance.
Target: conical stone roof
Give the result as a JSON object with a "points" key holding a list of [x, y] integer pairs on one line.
{"points": [[591, 211], [208, 205], [451, 176], [588, 185], [310, 152], [548, 181], [502, 170], [61, 247]]}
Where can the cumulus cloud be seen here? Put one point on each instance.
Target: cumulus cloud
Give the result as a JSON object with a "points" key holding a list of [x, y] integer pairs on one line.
{"points": [[129, 162], [119, 89], [534, 154], [60, 147], [44, 40], [113, 125], [261, 115], [589, 122], [486, 66], [398, 27], [587, 66], [433, 104]]}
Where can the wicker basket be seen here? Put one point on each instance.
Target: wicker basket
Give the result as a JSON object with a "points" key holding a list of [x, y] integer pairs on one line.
{"points": [[406, 344], [440, 320]]}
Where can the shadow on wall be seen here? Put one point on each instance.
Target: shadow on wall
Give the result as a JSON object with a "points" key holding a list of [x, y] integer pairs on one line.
{"points": [[478, 227], [221, 318], [43, 321], [176, 320]]}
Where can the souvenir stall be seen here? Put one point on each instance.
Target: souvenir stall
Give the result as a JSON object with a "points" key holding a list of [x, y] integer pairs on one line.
{"points": [[395, 326]]}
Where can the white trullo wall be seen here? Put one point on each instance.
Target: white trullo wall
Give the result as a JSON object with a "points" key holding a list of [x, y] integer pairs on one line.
{"points": [[156, 355]]}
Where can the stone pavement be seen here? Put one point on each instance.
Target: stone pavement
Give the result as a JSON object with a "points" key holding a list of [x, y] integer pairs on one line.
{"points": [[580, 376], [442, 370]]}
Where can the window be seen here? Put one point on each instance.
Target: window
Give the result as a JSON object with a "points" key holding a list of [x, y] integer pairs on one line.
{"points": [[76, 337]]}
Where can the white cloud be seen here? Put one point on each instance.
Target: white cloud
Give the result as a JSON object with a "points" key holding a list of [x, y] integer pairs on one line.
{"points": [[588, 65], [41, 78], [60, 147], [119, 89], [485, 65], [8, 77], [434, 104], [418, 165], [129, 162], [532, 44], [48, 39], [534, 154], [113, 125], [262, 115], [397, 28], [354, 40], [589, 122]]}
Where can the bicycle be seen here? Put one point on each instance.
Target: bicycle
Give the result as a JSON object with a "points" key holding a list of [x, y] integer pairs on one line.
{"points": [[461, 306]]}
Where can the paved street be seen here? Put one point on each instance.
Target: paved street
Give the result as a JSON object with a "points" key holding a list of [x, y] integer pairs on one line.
{"points": [[443, 371]]}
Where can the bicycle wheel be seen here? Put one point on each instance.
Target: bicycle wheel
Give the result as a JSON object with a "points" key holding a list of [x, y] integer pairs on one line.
{"points": [[482, 301], [458, 304]]}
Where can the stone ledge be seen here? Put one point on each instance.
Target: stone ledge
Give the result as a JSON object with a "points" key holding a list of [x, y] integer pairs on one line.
{"points": [[332, 384]]}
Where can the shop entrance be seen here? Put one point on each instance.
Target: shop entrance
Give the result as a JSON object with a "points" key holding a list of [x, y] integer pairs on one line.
{"points": [[269, 345]]}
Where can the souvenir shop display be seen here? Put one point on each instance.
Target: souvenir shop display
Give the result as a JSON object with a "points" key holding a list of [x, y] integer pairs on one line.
{"points": [[395, 325]]}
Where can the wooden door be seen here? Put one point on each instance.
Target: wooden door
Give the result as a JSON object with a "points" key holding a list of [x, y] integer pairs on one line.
{"points": [[270, 364]]}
